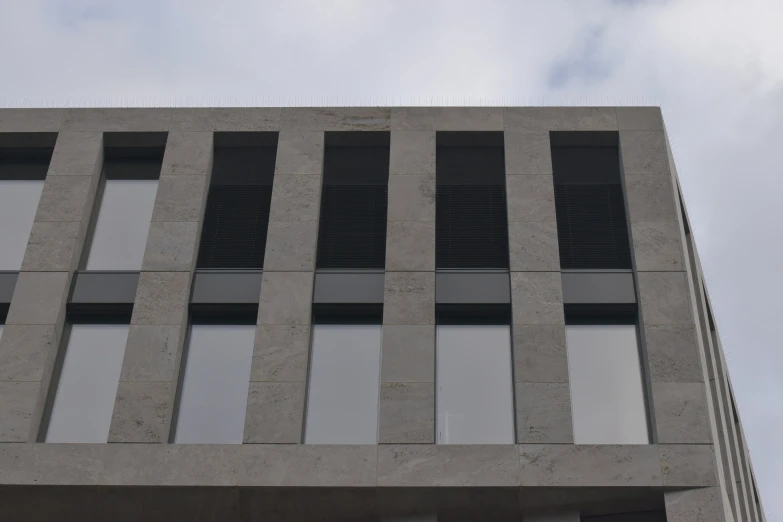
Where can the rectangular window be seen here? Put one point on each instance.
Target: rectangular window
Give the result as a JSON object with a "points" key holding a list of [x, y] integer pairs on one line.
{"points": [[130, 184], [607, 395], [214, 390], [352, 230], [591, 224], [240, 194], [471, 225], [24, 162], [87, 387], [474, 384], [342, 404]]}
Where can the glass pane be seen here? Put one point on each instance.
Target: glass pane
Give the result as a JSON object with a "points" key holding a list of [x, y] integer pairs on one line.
{"points": [[475, 404], [214, 392], [607, 398], [85, 396], [342, 404], [18, 205], [123, 222]]}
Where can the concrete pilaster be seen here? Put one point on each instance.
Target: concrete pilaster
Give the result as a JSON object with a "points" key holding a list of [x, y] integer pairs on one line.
{"points": [[34, 326], [278, 380], [145, 395], [407, 395], [543, 400]]}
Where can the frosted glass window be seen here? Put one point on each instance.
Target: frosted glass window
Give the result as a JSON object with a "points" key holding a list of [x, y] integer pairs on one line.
{"points": [[607, 399], [474, 395], [87, 388], [342, 404], [214, 392], [123, 223], [18, 205]]}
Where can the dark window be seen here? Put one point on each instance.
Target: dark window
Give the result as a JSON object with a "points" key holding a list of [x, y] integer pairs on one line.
{"points": [[237, 214], [592, 227], [471, 222], [352, 231]]}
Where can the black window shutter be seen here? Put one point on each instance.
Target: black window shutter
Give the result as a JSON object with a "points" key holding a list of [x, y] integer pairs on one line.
{"points": [[352, 231], [471, 226], [235, 227], [591, 226]]}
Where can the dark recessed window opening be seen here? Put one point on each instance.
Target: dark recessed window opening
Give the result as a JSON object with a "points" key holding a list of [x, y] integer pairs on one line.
{"points": [[240, 193], [471, 225], [26, 156], [352, 230], [592, 227]]}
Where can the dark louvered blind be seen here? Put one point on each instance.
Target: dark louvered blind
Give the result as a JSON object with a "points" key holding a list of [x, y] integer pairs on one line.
{"points": [[471, 227], [235, 226], [591, 226], [352, 231]]}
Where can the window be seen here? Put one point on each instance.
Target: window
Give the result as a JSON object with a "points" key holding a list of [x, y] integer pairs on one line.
{"points": [[214, 390], [471, 225], [354, 199], [24, 161], [240, 194], [607, 396], [474, 387], [342, 403], [130, 184], [87, 387], [591, 224]]}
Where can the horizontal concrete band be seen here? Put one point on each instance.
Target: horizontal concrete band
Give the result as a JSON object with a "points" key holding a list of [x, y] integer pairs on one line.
{"points": [[410, 465]]}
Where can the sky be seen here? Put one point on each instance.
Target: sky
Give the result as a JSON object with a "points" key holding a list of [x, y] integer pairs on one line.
{"points": [[714, 66]]}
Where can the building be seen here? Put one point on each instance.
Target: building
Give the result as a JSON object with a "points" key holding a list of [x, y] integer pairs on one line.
{"points": [[234, 314]]}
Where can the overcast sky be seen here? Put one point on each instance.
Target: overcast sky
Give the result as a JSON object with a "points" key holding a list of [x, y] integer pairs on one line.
{"points": [[714, 66]]}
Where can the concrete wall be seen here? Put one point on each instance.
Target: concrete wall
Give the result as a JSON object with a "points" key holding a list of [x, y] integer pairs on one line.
{"points": [[686, 377]]}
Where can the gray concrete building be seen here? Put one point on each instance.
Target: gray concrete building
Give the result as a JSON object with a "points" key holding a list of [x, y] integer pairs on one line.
{"points": [[357, 314]]}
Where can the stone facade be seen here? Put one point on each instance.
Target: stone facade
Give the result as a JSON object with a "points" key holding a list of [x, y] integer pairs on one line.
{"points": [[695, 469]]}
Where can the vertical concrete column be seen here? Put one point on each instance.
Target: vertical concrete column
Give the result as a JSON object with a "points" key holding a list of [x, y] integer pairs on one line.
{"points": [[694, 505], [32, 334], [543, 398], [145, 395], [407, 404], [275, 405], [667, 319]]}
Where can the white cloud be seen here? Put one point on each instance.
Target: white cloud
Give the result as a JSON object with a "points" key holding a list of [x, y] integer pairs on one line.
{"points": [[716, 68]]}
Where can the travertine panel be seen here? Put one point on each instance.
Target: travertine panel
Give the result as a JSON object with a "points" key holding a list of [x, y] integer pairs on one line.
{"points": [[335, 118], [280, 353], [672, 353], [694, 505], [528, 153], [540, 353], [447, 118], [415, 465], [187, 154], [408, 353], [537, 298], [410, 246], [17, 404], [409, 298], [664, 298], [412, 153], [544, 413], [116, 120], [51, 464], [150, 353], [291, 246], [650, 199], [300, 153], [77, 154], [296, 198], [306, 465], [657, 246], [180, 198], [639, 118], [644, 153], [533, 246], [688, 465], [411, 198], [407, 413], [274, 413], [223, 119], [25, 350], [530, 199], [39, 298], [681, 413], [53, 247], [171, 246], [141, 412], [30, 120], [66, 198], [568, 465], [285, 298], [161, 298]]}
